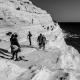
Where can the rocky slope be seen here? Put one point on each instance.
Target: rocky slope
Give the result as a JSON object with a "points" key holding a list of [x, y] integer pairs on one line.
{"points": [[21, 16], [9, 71]]}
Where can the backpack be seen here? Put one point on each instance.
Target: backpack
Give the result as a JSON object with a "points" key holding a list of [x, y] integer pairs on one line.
{"points": [[16, 48]]}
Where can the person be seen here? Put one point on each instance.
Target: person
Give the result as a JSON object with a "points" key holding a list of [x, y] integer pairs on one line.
{"points": [[43, 41], [15, 47], [29, 37], [32, 21], [39, 40]]}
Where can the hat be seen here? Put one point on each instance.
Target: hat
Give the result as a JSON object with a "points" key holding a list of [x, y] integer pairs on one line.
{"points": [[9, 33]]}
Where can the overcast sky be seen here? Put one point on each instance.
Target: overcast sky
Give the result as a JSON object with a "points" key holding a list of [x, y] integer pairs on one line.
{"points": [[61, 10]]}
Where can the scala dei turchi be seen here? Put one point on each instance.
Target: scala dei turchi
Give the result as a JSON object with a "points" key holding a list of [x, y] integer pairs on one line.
{"points": [[59, 61]]}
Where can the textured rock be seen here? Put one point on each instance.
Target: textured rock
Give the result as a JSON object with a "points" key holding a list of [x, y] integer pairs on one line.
{"points": [[40, 76], [9, 71], [27, 15], [21, 16]]}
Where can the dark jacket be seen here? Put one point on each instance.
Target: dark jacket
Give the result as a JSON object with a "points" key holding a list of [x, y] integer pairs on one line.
{"points": [[39, 39], [14, 41]]}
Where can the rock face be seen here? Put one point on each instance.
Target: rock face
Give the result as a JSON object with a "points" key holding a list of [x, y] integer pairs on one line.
{"points": [[22, 13], [41, 74], [21, 16], [9, 71]]}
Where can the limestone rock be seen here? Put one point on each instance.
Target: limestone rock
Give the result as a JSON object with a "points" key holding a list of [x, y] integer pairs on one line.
{"points": [[9, 70], [41, 74], [21, 16], [22, 12]]}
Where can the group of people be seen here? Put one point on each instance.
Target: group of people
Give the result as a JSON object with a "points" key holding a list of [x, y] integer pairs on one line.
{"points": [[15, 46], [41, 41]]}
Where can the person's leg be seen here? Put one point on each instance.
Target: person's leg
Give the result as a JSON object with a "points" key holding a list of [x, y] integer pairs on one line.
{"points": [[13, 54], [30, 41], [40, 45], [16, 54], [11, 49], [43, 46]]}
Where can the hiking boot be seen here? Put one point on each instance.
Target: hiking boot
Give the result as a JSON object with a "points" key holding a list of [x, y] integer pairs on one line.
{"points": [[11, 58], [16, 59]]}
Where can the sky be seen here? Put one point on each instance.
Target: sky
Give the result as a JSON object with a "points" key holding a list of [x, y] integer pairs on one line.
{"points": [[61, 10]]}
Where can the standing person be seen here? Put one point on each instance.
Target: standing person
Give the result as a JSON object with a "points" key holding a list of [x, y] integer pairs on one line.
{"points": [[39, 40], [43, 41], [29, 37], [15, 47], [32, 21]]}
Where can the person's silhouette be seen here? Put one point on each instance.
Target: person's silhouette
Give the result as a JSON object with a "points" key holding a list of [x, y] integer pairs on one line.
{"points": [[15, 47], [39, 40], [43, 41], [29, 37]]}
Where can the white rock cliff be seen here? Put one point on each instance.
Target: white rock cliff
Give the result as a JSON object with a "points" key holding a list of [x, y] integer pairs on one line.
{"points": [[21, 16]]}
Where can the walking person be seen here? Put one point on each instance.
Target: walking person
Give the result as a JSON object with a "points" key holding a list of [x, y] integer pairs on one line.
{"points": [[43, 42], [29, 37], [15, 47], [39, 40]]}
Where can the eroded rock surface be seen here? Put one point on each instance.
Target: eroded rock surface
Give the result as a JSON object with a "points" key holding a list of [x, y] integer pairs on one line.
{"points": [[9, 71]]}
